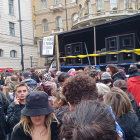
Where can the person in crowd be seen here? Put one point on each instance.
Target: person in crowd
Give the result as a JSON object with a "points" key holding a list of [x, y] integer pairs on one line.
{"points": [[3, 109], [60, 105], [14, 82], [53, 72], [95, 74], [90, 120], [122, 108], [26, 78], [79, 87], [38, 121], [34, 75], [114, 72], [62, 77], [106, 79], [14, 109], [82, 87], [122, 84], [102, 90], [2, 82], [134, 84]]}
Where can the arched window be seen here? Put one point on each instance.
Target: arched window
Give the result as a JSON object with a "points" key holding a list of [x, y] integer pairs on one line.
{"points": [[113, 4], [1, 52], [100, 4], [43, 4], [59, 22], [13, 53], [45, 25], [74, 17]]}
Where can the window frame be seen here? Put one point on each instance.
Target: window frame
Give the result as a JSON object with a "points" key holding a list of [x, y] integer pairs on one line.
{"points": [[12, 28], [59, 22], [1, 52], [13, 53], [11, 7], [45, 26], [43, 4]]}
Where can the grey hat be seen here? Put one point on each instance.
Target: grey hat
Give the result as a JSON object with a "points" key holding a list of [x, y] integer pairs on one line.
{"points": [[26, 74], [106, 76], [36, 104]]}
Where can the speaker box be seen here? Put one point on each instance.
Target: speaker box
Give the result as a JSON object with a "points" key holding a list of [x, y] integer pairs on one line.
{"points": [[111, 43], [127, 41]]}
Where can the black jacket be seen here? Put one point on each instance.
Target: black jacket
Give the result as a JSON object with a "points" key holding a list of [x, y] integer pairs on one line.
{"points": [[14, 114], [117, 76], [130, 125], [19, 134], [3, 109]]}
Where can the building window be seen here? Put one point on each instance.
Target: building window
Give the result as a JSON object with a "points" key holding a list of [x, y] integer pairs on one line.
{"points": [[88, 7], [13, 54], [128, 4], [43, 4], [58, 22], [73, 0], [57, 1], [45, 25], [113, 4], [74, 18], [12, 28], [1, 52], [100, 4], [11, 7]]}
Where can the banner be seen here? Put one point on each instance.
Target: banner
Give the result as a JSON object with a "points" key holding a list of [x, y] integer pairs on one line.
{"points": [[48, 45]]}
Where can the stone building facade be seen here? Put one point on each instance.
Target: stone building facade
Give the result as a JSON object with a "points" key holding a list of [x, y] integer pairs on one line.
{"points": [[54, 16], [10, 51]]}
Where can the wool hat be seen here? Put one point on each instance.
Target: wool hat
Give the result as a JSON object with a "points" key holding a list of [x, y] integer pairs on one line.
{"points": [[36, 104], [106, 76], [26, 74]]}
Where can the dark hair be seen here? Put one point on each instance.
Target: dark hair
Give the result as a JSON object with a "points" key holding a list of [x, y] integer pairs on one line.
{"points": [[62, 77], [106, 81], [114, 69], [90, 120], [79, 87]]}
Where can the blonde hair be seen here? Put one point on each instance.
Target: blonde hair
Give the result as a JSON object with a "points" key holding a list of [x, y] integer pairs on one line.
{"points": [[27, 124], [119, 102]]}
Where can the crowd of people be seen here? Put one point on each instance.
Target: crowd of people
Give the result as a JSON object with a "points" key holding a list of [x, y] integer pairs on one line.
{"points": [[85, 104]]}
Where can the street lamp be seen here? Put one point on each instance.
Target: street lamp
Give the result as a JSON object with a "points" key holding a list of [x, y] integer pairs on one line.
{"points": [[31, 59], [21, 43]]}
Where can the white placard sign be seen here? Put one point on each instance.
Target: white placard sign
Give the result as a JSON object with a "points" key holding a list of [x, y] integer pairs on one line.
{"points": [[48, 45]]}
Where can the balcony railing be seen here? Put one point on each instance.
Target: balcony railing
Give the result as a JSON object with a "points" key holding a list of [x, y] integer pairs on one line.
{"points": [[104, 14], [57, 30], [57, 7]]}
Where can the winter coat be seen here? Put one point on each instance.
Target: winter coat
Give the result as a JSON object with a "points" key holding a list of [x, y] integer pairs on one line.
{"points": [[14, 114], [3, 108], [118, 76], [19, 134], [130, 125], [134, 88]]}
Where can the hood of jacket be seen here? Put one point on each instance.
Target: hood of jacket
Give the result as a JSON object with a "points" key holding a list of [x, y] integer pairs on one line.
{"points": [[135, 79]]}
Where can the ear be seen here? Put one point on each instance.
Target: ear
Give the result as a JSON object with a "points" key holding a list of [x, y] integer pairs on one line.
{"points": [[71, 107]]}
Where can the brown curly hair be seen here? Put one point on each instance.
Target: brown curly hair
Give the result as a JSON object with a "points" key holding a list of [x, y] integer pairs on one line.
{"points": [[79, 87], [114, 69]]}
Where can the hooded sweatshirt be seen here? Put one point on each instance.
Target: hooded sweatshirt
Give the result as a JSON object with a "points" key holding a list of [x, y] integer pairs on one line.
{"points": [[134, 88]]}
